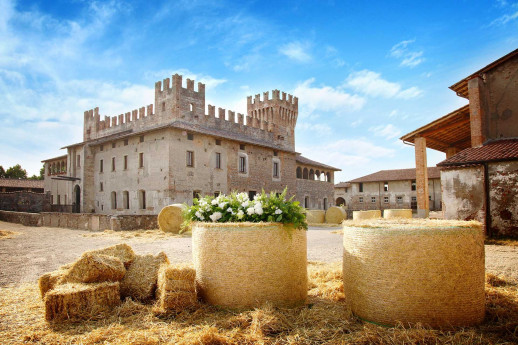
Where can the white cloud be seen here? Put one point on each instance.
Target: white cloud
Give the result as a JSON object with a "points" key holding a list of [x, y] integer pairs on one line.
{"points": [[325, 98], [388, 131], [506, 18], [320, 129], [298, 51], [408, 57], [371, 84]]}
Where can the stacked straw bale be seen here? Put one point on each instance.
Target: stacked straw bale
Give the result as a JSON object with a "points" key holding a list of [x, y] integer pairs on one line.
{"points": [[122, 251], [248, 264], [49, 280], [371, 214], [335, 215], [141, 277], [176, 288], [80, 301], [94, 268], [415, 271], [397, 213], [315, 216], [170, 218]]}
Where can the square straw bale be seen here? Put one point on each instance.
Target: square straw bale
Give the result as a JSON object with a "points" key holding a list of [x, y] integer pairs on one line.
{"points": [[79, 301], [95, 268], [49, 280], [140, 280], [176, 288], [122, 251]]}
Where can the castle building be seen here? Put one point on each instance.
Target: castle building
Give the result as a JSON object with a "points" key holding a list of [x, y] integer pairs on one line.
{"points": [[172, 151]]}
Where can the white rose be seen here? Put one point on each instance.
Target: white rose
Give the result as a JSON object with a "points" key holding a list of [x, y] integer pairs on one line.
{"points": [[229, 210], [215, 216], [240, 214], [244, 204], [278, 211], [198, 214], [222, 205], [214, 202], [250, 211], [259, 211]]}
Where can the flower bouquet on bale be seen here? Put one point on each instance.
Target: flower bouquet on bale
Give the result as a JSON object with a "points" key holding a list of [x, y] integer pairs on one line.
{"points": [[249, 252]]}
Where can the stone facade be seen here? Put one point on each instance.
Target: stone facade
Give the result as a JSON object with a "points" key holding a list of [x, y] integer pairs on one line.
{"points": [[172, 151], [387, 189]]}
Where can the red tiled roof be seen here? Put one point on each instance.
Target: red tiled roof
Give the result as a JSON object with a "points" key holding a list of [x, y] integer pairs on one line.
{"points": [[16, 183], [343, 185], [500, 150], [396, 175], [303, 160]]}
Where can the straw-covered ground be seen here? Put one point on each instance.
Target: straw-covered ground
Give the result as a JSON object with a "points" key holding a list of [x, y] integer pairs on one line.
{"points": [[324, 319], [150, 235]]}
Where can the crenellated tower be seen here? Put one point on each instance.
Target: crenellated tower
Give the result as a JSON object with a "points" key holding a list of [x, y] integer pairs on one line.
{"points": [[279, 114], [176, 102]]}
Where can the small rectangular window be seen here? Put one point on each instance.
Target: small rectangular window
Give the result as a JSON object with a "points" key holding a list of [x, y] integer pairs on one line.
{"points": [[414, 199], [101, 148], [125, 142], [413, 185], [242, 164], [190, 136], [361, 187], [196, 194], [141, 160], [113, 163], [125, 199], [275, 153], [125, 162], [361, 199], [114, 200], [142, 199], [78, 163], [218, 142], [386, 200], [218, 160], [190, 159], [373, 199], [251, 194], [399, 199], [385, 186], [275, 169], [163, 106], [101, 187], [216, 194], [141, 139], [242, 146], [113, 145], [101, 165], [430, 197]]}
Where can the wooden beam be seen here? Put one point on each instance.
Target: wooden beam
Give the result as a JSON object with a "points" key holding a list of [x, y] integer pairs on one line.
{"points": [[445, 128]]}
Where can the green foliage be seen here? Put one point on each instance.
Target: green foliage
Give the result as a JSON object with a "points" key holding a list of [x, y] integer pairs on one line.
{"points": [[16, 172], [2, 171], [237, 207]]}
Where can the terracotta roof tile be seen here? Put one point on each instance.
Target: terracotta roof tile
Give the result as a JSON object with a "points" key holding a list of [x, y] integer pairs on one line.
{"points": [[500, 150], [16, 183], [307, 161], [343, 185], [396, 175]]}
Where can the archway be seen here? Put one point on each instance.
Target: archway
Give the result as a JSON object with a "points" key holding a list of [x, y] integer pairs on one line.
{"points": [[340, 202], [77, 197]]}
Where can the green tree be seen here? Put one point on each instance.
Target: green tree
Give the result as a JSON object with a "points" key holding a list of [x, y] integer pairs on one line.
{"points": [[16, 172], [2, 171]]}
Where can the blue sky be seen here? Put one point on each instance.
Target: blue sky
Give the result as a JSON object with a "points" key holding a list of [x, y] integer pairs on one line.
{"points": [[365, 72]]}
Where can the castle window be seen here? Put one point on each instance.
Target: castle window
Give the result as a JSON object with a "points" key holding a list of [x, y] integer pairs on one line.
{"points": [[276, 168], [125, 142], [299, 172], [325, 203], [275, 153], [306, 202], [114, 200], [218, 160], [305, 174], [386, 200], [216, 194], [125, 199], [385, 186], [373, 199], [101, 165], [311, 174], [399, 199], [59, 200], [141, 138], [243, 164], [242, 147], [163, 106], [361, 200], [191, 107], [361, 187], [218, 142], [190, 136], [113, 163], [190, 158], [251, 194], [141, 160], [196, 194], [101, 187], [113, 145], [413, 187], [142, 199], [125, 162]]}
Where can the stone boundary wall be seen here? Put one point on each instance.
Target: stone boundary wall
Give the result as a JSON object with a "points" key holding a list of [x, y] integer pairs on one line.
{"points": [[81, 221], [22, 201]]}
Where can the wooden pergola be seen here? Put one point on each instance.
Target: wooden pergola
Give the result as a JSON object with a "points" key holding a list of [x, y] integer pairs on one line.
{"points": [[449, 134]]}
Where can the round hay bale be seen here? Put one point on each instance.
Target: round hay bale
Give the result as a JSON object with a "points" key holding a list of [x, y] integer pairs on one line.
{"points": [[429, 272], [360, 215], [335, 215], [397, 213], [248, 264], [315, 216], [170, 218]]}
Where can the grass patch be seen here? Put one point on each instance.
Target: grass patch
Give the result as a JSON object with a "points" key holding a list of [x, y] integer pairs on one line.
{"points": [[6, 234], [325, 319], [155, 234]]}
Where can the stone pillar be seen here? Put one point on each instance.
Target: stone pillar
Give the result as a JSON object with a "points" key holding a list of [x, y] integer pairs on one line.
{"points": [[476, 89], [450, 151], [421, 171]]}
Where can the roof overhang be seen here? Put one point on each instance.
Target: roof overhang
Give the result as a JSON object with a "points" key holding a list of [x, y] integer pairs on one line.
{"points": [[451, 130]]}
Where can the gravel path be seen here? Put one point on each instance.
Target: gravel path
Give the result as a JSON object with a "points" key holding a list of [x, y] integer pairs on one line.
{"points": [[37, 250]]}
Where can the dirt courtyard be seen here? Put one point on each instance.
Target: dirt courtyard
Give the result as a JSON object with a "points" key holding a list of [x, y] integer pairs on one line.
{"points": [[32, 251]]}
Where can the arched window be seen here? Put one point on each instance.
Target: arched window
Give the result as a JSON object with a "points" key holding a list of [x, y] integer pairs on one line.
{"points": [[328, 177], [299, 172], [340, 202], [305, 174], [311, 174], [317, 175]]}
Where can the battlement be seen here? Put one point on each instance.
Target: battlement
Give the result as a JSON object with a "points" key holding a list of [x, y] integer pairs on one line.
{"points": [[175, 83], [277, 97]]}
